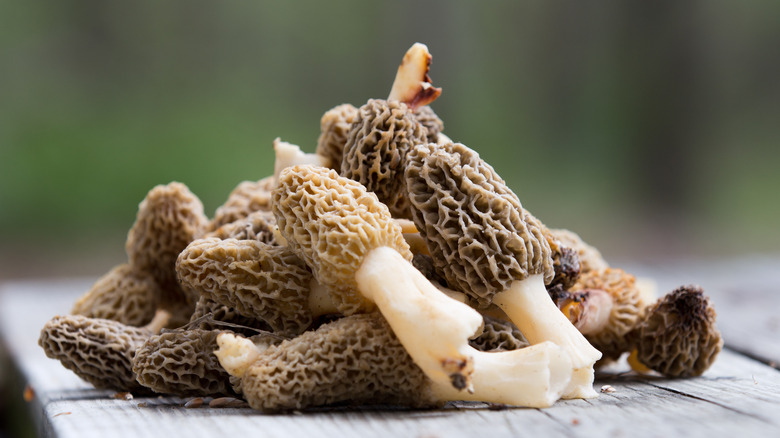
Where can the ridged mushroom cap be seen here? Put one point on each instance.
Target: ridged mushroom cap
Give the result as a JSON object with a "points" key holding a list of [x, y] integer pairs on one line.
{"points": [[479, 235], [123, 294], [678, 337], [332, 222], [182, 363], [498, 335], [374, 155], [99, 351], [246, 198], [626, 312], [168, 219], [261, 281], [334, 128], [258, 225], [354, 360]]}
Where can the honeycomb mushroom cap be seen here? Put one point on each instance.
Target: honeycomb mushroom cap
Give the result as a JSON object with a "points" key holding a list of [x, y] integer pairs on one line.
{"points": [[261, 281], [498, 335], [374, 155], [354, 360], [123, 294], [246, 198], [99, 351], [182, 363], [479, 235], [626, 312], [168, 219], [589, 257], [566, 262], [332, 222], [334, 127], [678, 337], [258, 225], [432, 123]]}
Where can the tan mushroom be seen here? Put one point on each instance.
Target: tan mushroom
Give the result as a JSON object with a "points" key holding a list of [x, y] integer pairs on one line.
{"points": [[99, 351], [248, 197], [181, 362], [334, 128], [678, 336], [375, 151], [489, 247], [123, 294], [258, 280], [259, 225]]}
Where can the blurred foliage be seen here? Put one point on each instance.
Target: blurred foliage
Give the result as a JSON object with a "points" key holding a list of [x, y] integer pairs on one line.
{"points": [[648, 127]]}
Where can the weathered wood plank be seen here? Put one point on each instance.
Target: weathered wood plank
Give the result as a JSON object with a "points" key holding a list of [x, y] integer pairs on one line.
{"points": [[737, 395]]}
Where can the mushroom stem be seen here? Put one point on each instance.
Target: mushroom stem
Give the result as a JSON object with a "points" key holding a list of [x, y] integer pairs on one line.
{"points": [[160, 320], [434, 329], [531, 309], [237, 353], [320, 300], [288, 155], [588, 310]]}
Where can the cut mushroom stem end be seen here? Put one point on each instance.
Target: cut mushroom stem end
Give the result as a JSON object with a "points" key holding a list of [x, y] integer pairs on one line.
{"points": [[412, 85], [434, 329], [530, 308], [588, 310]]}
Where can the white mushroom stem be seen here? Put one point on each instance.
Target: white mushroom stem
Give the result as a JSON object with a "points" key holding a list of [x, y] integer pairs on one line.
{"points": [[237, 353], [434, 329], [589, 311], [159, 321], [288, 155], [412, 84], [531, 309]]}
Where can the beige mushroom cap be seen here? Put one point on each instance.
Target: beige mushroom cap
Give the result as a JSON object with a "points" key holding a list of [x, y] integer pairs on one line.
{"points": [[123, 294], [334, 129], [480, 236], [678, 337], [375, 153], [261, 281], [246, 198], [332, 222]]}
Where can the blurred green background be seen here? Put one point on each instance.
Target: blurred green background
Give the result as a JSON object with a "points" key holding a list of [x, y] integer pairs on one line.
{"points": [[651, 128]]}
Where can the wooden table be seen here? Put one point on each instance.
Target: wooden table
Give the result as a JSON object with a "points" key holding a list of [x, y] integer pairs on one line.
{"points": [[738, 396]]}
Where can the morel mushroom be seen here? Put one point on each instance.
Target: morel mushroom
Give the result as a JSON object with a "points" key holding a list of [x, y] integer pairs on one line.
{"points": [[99, 351], [356, 251], [589, 257], [181, 362], [489, 247], [678, 336], [168, 219], [258, 225], [334, 128], [375, 152], [261, 281], [124, 294], [248, 197]]}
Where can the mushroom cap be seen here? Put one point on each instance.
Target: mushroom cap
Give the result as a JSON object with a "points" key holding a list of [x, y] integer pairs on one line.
{"points": [[589, 257], [332, 222], [432, 122], [123, 294], [258, 225], [246, 198], [626, 312], [480, 236], [334, 128], [566, 262], [99, 351], [182, 363], [355, 360], [498, 335], [374, 155], [169, 218], [260, 281], [678, 337]]}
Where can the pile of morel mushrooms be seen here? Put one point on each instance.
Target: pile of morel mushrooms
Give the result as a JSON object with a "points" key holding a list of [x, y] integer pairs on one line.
{"points": [[393, 266]]}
